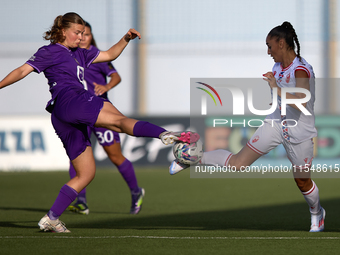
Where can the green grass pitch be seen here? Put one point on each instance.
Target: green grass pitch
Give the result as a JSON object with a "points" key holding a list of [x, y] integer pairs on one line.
{"points": [[180, 215]]}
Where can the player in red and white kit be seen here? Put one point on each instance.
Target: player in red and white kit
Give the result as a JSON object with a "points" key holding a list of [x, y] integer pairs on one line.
{"points": [[294, 130]]}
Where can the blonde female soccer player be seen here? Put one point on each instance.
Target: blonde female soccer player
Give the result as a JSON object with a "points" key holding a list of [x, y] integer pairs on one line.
{"points": [[73, 108]]}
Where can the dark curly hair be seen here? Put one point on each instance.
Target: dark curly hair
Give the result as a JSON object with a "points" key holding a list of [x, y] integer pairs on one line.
{"points": [[55, 34]]}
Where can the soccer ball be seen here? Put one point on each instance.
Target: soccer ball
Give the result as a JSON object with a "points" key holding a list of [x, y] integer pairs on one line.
{"points": [[188, 153]]}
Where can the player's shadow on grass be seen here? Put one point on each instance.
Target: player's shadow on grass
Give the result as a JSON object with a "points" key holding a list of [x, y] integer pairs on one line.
{"points": [[289, 217], [21, 224], [28, 209], [18, 224]]}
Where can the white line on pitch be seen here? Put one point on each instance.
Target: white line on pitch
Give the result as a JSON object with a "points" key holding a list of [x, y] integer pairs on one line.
{"points": [[175, 237]]}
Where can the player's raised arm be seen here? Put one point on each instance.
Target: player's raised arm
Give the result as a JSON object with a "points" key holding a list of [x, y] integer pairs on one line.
{"points": [[113, 53], [16, 75]]}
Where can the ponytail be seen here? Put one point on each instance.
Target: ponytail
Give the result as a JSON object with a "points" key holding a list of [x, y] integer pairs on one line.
{"points": [[287, 32], [55, 34]]}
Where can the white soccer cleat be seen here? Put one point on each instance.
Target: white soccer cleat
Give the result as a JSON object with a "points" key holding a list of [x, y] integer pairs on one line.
{"points": [[56, 226], [318, 221], [168, 137], [176, 167]]}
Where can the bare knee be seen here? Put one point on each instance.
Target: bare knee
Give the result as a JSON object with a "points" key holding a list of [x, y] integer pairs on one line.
{"points": [[117, 158], [86, 177], [304, 184]]}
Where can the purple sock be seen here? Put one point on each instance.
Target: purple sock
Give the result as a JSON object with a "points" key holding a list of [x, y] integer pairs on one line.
{"points": [[146, 129], [82, 194], [128, 173], [82, 197], [64, 199]]}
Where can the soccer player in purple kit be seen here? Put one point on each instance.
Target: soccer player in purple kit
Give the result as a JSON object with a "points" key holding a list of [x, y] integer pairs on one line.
{"points": [[97, 85], [73, 108]]}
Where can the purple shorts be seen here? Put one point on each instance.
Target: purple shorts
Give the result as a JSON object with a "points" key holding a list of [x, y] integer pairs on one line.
{"points": [[74, 110], [105, 137]]}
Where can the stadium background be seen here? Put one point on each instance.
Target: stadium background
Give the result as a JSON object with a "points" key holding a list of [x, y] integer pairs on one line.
{"points": [[180, 40]]}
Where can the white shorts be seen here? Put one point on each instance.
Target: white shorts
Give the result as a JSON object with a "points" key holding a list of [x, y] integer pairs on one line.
{"points": [[270, 135]]}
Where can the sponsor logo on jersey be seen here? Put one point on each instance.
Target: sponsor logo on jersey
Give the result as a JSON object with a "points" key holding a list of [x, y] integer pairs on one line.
{"points": [[280, 77], [32, 58]]}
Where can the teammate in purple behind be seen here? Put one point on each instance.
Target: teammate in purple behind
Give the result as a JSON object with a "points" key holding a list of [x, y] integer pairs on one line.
{"points": [[290, 70], [97, 85], [73, 108]]}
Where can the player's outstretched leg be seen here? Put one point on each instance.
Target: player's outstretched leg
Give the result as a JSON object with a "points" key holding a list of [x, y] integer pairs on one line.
{"points": [[110, 118], [217, 157], [176, 167], [169, 137]]}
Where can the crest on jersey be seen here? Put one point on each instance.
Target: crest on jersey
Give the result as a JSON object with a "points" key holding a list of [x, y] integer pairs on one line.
{"points": [[256, 138], [288, 78]]}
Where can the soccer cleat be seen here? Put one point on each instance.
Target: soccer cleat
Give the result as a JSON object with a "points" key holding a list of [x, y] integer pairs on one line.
{"points": [[176, 167], [137, 200], [56, 226], [79, 208], [318, 221], [168, 137]]}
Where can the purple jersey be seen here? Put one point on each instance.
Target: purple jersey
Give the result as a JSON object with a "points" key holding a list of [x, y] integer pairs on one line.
{"points": [[63, 67], [97, 73]]}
